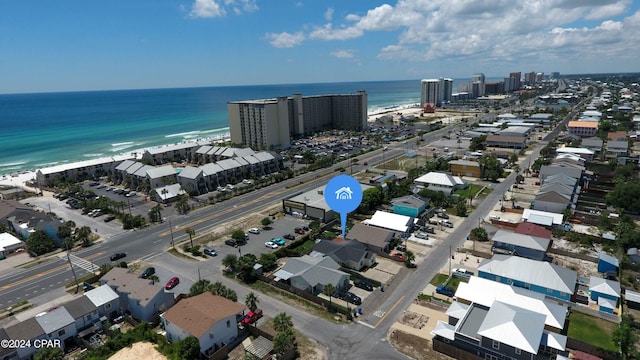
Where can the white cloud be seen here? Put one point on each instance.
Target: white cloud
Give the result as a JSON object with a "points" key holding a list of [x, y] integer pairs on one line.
{"points": [[285, 39], [343, 54], [328, 15], [218, 8], [206, 9]]}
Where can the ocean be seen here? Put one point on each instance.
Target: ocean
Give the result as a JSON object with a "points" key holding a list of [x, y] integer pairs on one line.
{"points": [[46, 129]]}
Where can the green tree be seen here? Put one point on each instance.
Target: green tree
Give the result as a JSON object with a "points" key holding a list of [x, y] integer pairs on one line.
{"points": [[191, 234], [283, 341], [513, 158], [477, 143], [189, 348], [492, 169], [268, 260], [371, 198], [479, 234], [282, 322], [182, 205], [155, 214], [246, 272], [625, 337], [84, 234], [266, 222], [251, 300], [625, 195], [230, 261], [154, 279], [49, 353], [409, 258], [519, 179], [40, 243], [238, 235], [461, 208], [199, 287], [328, 290]]}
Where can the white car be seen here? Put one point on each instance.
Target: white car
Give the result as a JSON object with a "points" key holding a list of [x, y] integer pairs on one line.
{"points": [[271, 244], [246, 181], [254, 231], [220, 188], [229, 186]]}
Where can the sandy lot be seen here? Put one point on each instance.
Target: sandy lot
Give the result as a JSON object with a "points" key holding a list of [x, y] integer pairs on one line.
{"points": [[140, 350]]}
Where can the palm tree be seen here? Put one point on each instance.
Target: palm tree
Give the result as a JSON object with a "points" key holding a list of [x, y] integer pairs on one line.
{"points": [[191, 234], [154, 279], [83, 234], [164, 193], [251, 301], [230, 262], [328, 290], [282, 322]]}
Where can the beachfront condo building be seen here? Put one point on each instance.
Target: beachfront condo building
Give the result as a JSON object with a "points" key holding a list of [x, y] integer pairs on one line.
{"points": [[435, 91], [269, 124]]}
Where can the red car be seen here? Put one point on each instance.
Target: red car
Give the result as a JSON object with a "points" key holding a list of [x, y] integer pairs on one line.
{"points": [[172, 283], [398, 256], [251, 317]]}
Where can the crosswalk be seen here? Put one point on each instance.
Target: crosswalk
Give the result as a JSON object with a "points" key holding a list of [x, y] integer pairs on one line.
{"points": [[83, 264]]}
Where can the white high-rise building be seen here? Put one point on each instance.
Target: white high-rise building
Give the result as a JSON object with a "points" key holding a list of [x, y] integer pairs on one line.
{"points": [[478, 79], [446, 89], [430, 92]]}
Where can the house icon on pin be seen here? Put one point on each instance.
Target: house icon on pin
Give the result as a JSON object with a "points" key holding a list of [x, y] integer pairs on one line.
{"points": [[344, 193]]}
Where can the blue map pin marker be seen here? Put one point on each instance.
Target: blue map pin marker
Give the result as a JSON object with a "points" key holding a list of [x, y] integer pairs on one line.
{"points": [[343, 194]]}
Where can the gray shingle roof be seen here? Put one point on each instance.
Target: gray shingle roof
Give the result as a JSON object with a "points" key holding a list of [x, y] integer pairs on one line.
{"points": [[80, 307], [28, 329], [55, 320]]}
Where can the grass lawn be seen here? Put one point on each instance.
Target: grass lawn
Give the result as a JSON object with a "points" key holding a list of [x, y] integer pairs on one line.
{"points": [[591, 330], [471, 189], [439, 279]]}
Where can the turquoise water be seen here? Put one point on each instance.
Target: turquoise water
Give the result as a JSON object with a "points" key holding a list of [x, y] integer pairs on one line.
{"points": [[46, 129]]}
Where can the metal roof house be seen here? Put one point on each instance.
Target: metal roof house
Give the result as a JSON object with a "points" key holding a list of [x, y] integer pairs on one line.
{"points": [[605, 292], [438, 181], [494, 321], [539, 276], [311, 274], [527, 246], [607, 263]]}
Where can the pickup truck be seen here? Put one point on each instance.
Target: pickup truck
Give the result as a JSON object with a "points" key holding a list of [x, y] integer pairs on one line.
{"points": [[251, 317]]}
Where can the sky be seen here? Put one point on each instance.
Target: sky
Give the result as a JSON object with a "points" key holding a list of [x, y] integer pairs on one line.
{"points": [[132, 44]]}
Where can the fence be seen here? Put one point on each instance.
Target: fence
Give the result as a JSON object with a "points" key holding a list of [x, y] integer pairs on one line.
{"points": [[573, 255], [590, 349], [453, 351]]}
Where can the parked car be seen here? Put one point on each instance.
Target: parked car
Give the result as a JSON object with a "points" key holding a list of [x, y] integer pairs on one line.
{"points": [[109, 218], [231, 242], [518, 207], [422, 236], [399, 256], [271, 244], [305, 228], [251, 317], [278, 241], [210, 251], [462, 273], [299, 230], [446, 223], [289, 237], [172, 283], [442, 215], [352, 298], [363, 284], [445, 290], [117, 256], [401, 247], [429, 229], [254, 231], [148, 272]]}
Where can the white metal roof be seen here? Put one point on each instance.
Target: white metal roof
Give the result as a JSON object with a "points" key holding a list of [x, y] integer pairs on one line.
{"points": [[485, 292], [390, 221], [522, 240], [604, 286], [573, 150], [606, 303], [514, 326], [554, 340], [555, 219], [7, 240], [162, 171], [101, 295], [632, 296], [540, 273], [457, 310], [445, 330], [439, 178]]}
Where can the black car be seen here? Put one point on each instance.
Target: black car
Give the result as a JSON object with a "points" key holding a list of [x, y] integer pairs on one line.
{"points": [[148, 272], [352, 298], [289, 237], [443, 215], [363, 284], [109, 218], [430, 229], [231, 242], [117, 256]]}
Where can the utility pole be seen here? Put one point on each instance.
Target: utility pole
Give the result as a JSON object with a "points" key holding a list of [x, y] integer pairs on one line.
{"points": [[74, 272], [199, 279], [450, 255], [171, 231]]}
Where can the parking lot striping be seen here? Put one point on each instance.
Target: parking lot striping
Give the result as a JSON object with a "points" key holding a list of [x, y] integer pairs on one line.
{"points": [[33, 277], [365, 324], [388, 312]]}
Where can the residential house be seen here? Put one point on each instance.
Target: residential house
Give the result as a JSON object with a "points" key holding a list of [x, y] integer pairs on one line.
{"points": [[410, 205], [527, 228], [465, 168], [376, 239], [539, 276], [168, 193], [552, 201], [607, 263], [58, 324], [510, 142], [632, 299], [401, 224], [548, 170], [24, 220], [571, 159], [140, 297], [606, 293], [491, 320], [83, 311], [633, 255], [211, 319], [618, 148], [9, 244], [106, 301], [543, 218], [527, 246], [617, 136], [350, 254], [29, 329], [582, 152], [583, 129], [311, 274], [6, 353], [438, 181], [562, 179], [517, 131], [161, 176], [593, 144], [192, 179]]}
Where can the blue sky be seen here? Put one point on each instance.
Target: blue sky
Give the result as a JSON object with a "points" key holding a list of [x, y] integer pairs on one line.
{"points": [[94, 45]]}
